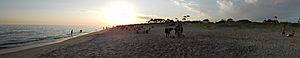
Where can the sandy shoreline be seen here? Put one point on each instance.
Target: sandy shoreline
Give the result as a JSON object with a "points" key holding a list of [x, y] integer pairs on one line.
{"points": [[198, 43]]}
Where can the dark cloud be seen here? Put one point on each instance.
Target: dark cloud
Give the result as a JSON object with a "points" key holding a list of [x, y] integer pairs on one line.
{"points": [[287, 10], [256, 10]]}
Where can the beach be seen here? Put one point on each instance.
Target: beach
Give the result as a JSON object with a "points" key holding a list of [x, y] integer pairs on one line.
{"points": [[225, 42]]}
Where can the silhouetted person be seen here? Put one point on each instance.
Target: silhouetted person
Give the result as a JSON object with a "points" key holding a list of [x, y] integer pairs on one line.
{"points": [[80, 31], [168, 31], [283, 30], [179, 29], [147, 31], [72, 32]]}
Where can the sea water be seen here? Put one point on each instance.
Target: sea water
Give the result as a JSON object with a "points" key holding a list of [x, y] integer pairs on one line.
{"points": [[23, 35]]}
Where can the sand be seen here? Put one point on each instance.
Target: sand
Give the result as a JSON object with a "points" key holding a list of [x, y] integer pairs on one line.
{"points": [[198, 43]]}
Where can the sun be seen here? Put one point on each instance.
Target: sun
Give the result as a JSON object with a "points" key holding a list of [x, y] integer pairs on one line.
{"points": [[119, 13]]}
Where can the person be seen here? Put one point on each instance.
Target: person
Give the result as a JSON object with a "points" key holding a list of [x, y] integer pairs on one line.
{"points": [[72, 32], [147, 31], [179, 29], [80, 31], [283, 30], [168, 31]]}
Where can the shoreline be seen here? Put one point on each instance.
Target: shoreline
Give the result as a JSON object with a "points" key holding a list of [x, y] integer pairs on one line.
{"points": [[39, 47]]}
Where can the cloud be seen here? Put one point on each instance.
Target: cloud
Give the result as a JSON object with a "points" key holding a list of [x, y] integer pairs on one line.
{"points": [[147, 16], [88, 11], [192, 6], [256, 10], [251, 1], [287, 10]]}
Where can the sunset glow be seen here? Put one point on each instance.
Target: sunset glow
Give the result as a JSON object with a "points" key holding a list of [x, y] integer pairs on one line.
{"points": [[118, 13]]}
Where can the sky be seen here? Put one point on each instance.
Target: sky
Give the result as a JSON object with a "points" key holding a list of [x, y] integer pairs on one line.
{"points": [[114, 12]]}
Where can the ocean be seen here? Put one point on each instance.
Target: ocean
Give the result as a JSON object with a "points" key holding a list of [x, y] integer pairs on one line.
{"points": [[23, 35]]}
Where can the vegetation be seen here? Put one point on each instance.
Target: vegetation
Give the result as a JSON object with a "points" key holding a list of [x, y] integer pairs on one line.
{"points": [[269, 24]]}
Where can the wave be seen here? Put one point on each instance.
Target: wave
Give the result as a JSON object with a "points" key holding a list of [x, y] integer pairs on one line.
{"points": [[22, 35], [17, 43], [18, 32]]}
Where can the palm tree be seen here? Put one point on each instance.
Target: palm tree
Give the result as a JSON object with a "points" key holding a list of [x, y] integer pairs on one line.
{"points": [[230, 20], [186, 16], [206, 21]]}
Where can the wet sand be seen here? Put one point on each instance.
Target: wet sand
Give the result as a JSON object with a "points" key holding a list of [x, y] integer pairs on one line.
{"points": [[198, 43]]}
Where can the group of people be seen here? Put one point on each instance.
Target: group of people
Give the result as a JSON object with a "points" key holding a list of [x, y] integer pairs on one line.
{"points": [[178, 30], [73, 32]]}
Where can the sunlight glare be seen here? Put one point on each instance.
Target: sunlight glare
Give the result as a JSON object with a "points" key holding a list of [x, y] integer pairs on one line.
{"points": [[118, 13]]}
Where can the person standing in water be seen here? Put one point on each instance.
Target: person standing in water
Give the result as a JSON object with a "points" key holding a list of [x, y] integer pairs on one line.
{"points": [[72, 32], [80, 31]]}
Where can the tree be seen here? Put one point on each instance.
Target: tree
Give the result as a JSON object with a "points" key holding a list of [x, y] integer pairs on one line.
{"points": [[169, 21], [185, 17], [156, 20], [206, 21], [230, 20], [151, 20], [271, 21], [159, 20], [244, 21], [221, 21]]}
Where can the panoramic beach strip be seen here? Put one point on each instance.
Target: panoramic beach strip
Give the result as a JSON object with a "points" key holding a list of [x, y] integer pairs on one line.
{"points": [[149, 29], [204, 40]]}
